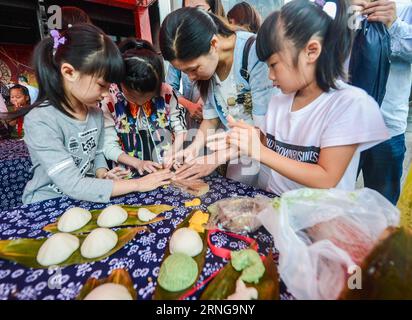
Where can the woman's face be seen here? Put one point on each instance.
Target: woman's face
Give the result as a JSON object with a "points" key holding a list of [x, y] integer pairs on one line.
{"points": [[201, 68], [197, 3]]}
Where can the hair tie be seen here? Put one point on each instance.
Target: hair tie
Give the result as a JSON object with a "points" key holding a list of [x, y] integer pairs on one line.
{"points": [[58, 40], [328, 7]]}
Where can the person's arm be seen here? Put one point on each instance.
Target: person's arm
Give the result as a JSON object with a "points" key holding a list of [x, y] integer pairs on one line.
{"points": [[100, 164], [401, 40], [173, 78], [384, 11], [177, 115], [58, 163], [194, 108], [326, 174], [112, 150]]}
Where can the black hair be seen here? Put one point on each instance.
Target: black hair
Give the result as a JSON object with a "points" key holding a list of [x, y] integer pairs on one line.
{"points": [[23, 89], [298, 21], [143, 65], [216, 7], [246, 16], [186, 34], [72, 16], [88, 49]]}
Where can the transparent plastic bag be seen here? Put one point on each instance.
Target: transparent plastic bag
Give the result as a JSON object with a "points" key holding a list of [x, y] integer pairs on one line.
{"points": [[321, 235], [238, 215]]}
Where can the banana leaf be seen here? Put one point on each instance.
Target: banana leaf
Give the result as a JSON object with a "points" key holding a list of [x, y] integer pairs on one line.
{"points": [[118, 276], [405, 202], [24, 251], [132, 220], [162, 294], [387, 271], [224, 284]]}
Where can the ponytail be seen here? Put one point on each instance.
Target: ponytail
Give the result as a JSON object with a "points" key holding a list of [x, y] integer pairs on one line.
{"points": [[144, 66], [88, 49], [298, 21]]}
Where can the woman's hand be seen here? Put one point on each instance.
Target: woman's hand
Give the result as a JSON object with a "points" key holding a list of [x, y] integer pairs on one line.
{"points": [[154, 180], [176, 159], [243, 137], [199, 168], [116, 174]]}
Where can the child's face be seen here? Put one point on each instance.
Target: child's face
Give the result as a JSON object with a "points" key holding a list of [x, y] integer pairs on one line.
{"points": [[18, 98], [89, 90], [137, 97], [288, 76]]}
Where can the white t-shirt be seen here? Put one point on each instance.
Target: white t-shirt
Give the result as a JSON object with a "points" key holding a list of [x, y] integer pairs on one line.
{"points": [[226, 93], [337, 118]]}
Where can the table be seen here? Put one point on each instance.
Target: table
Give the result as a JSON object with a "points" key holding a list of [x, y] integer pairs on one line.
{"points": [[15, 167], [142, 256]]}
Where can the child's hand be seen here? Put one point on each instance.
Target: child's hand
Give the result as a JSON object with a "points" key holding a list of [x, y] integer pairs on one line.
{"points": [[154, 180], [146, 166], [117, 174], [243, 137]]}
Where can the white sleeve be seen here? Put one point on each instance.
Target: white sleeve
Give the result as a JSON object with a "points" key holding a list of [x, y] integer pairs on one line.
{"points": [[111, 149], [355, 119]]}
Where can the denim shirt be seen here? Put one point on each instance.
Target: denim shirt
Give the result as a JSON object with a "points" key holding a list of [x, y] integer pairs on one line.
{"points": [[395, 104], [189, 89]]}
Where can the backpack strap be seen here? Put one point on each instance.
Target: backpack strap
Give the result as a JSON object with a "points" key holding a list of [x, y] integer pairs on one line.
{"points": [[245, 60]]}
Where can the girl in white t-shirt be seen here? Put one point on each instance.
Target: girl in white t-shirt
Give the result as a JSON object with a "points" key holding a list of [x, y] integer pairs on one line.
{"points": [[316, 129]]}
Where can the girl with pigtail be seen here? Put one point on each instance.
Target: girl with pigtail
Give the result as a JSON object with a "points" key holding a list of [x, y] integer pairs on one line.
{"points": [[316, 129], [64, 130]]}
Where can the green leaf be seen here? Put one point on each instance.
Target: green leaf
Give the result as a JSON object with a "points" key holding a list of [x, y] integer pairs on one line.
{"points": [[24, 251], [132, 220], [162, 294], [224, 284], [118, 276]]}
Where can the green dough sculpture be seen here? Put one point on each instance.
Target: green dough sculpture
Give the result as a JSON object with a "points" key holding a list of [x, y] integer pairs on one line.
{"points": [[178, 272], [249, 262]]}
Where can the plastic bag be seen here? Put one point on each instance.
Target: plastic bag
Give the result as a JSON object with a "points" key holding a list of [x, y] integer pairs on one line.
{"points": [[238, 215], [321, 233]]}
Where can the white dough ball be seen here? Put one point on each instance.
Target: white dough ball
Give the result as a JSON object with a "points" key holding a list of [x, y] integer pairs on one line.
{"points": [[145, 215], [112, 216], [186, 241], [109, 291], [57, 249], [99, 242], [74, 219]]}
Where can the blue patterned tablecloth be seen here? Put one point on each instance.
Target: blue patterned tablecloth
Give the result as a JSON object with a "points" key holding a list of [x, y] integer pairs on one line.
{"points": [[15, 167], [142, 256]]}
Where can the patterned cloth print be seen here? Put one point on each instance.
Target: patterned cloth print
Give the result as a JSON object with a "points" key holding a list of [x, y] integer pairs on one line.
{"points": [[142, 256]]}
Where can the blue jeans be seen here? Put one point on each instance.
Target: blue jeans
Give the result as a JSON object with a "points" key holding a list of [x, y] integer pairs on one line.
{"points": [[382, 167]]}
